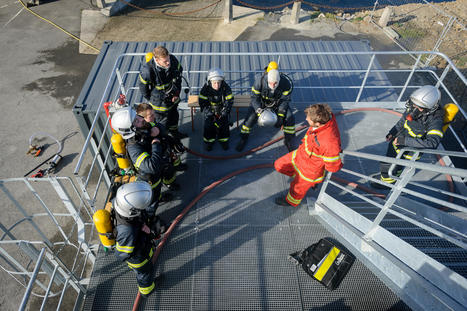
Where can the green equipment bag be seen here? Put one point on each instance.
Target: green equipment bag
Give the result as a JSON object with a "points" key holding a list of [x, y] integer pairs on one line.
{"points": [[326, 261]]}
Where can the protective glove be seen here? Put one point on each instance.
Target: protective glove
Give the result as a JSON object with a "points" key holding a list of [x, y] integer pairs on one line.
{"points": [[280, 122], [389, 137], [175, 144]]}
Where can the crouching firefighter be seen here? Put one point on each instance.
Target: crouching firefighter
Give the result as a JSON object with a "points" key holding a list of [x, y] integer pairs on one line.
{"points": [[271, 91], [215, 100], [420, 126], [145, 152], [135, 232]]}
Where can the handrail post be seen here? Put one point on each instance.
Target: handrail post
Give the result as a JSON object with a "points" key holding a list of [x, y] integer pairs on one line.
{"points": [[392, 197], [368, 70]]}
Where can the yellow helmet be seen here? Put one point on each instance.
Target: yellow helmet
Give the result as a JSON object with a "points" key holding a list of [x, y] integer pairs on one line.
{"points": [[272, 65], [149, 56]]}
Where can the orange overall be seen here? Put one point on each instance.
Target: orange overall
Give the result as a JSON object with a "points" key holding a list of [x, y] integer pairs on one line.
{"points": [[319, 150]]}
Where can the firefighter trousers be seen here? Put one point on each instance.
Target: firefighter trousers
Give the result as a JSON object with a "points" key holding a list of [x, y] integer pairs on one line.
{"points": [[214, 127], [392, 152], [169, 119], [144, 270], [299, 186]]}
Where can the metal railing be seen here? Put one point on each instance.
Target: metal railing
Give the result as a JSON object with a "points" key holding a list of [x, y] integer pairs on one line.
{"points": [[49, 214], [422, 206], [101, 157]]}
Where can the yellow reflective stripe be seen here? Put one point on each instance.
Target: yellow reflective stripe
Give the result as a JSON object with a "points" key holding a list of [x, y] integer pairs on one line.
{"points": [[230, 96], [290, 198], [147, 290], [214, 104], [388, 180], [324, 266], [162, 86], [255, 91], [202, 96], [137, 265], [308, 152], [178, 67], [142, 80], [289, 129], [411, 133], [177, 162], [169, 181], [154, 185], [301, 174], [285, 93], [281, 115], [435, 132], [140, 159], [125, 249], [245, 129], [406, 156], [223, 139], [159, 108], [331, 159], [152, 124], [208, 140]]}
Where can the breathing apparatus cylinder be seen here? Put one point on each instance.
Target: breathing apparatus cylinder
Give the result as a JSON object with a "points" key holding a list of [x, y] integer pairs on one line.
{"points": [[103, 223], [118, 144], [450, 111]]}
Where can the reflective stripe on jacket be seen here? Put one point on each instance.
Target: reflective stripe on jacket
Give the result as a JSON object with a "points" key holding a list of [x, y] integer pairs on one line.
{"points": [[319, 151]]}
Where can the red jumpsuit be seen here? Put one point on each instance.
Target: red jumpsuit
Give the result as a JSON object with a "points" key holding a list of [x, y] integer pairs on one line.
{"points": [[319, 150]]}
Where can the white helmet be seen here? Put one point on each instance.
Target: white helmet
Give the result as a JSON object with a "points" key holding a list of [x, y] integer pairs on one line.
{"points": [[426, 97], [215, 74], [267, 118], [122, 121], [132, 198]]}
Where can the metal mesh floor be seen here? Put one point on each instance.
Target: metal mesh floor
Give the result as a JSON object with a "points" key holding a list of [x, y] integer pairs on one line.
{"points": [[230, 253]]}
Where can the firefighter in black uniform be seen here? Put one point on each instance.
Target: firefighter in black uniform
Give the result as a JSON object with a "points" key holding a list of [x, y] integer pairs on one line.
{"points": [[172, 146], [146, 153], [215, 100], [135, 230], [160, 82], [419, 127], [271, 91]]}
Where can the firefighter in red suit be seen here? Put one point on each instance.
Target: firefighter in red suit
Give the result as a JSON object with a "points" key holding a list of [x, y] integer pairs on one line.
{"points": [[319, 151]]}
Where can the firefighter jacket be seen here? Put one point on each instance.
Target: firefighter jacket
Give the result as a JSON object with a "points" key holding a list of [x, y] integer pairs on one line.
{"points": [[214, 102], [263, 97], [319, 150], [159, 85], [424, 131], [132, 244], [147, 159]]}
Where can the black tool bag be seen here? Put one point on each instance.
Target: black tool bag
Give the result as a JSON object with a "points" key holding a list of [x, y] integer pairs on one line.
{"points": [[326, 261]]}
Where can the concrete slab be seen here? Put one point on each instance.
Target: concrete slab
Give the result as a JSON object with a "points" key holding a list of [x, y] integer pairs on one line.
{"points": [[243, 18], [92, 22]]}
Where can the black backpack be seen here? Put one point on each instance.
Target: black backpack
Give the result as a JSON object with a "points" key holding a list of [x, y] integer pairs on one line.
{"points": [[326, 261]]}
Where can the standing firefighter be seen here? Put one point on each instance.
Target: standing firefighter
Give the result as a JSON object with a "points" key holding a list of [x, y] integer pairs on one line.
{"points": [[419, 127], [215, 100], [271, 92], [135, 232], [319, 151], [160, 82]]}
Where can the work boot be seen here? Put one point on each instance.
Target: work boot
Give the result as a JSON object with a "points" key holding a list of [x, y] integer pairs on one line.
{"points": [[208, 146], [181, 167], [173, 186], [281, 201], [241, 144], [377, 185], [225, 145]]}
